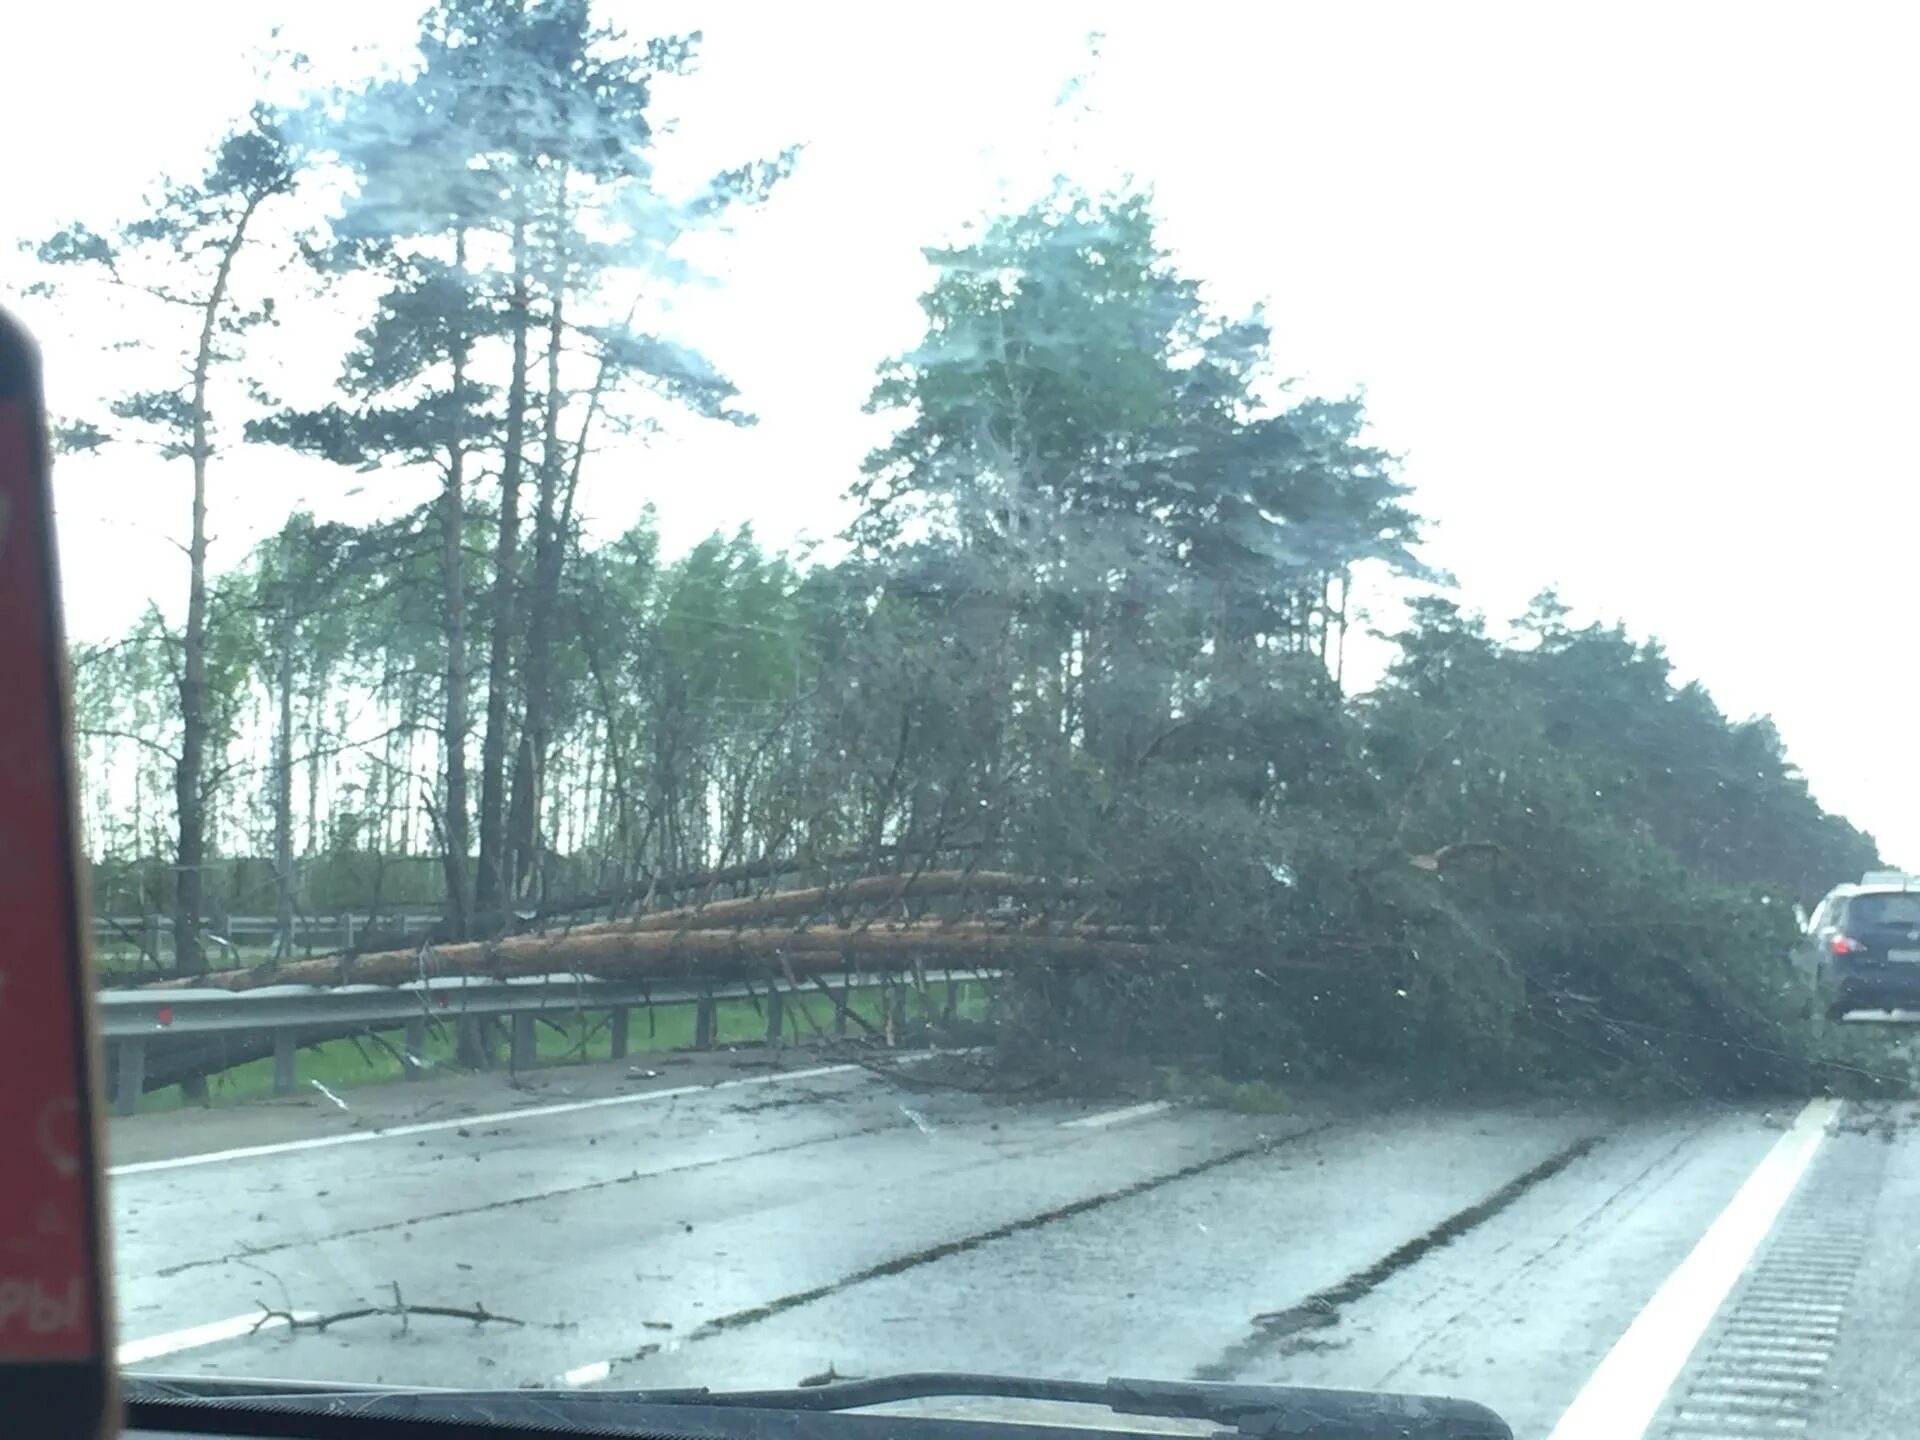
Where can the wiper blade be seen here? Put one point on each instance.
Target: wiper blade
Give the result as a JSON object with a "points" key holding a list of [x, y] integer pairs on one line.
{"points": [[1253, 1411]]}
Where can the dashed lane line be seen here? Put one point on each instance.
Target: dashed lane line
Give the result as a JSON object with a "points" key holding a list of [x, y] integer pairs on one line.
{"points": [[1117, 1117], [500, 1117], [155, 1347]]}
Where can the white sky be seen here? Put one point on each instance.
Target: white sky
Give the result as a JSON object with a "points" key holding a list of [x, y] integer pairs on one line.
{"points": [[1632, 287]]}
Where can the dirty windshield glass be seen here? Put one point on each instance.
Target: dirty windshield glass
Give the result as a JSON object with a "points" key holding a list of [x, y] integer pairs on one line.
{"points": [[771, 694]]}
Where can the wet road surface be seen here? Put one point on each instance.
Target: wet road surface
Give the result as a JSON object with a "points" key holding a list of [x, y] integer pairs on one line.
{"points": [[1697, 1271]]}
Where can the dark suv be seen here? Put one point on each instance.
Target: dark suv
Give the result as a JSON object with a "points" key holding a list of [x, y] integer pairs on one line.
{"points": [[1862, 945]]}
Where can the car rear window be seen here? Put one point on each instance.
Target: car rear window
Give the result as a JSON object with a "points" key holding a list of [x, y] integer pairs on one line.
{"points": [[1870, 911]]}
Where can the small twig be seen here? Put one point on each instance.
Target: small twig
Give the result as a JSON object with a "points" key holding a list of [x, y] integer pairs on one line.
{"points": [[793, 991], [386, 1045], [588, 1030], [820, 983], [285, 1297]]}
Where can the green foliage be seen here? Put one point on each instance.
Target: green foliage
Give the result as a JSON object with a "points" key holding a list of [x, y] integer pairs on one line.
{"points": [[1522, 861], [77, 437]]}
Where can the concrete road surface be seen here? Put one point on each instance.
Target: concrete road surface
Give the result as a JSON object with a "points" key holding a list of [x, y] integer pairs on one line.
{"points": [[1694, 1271]]}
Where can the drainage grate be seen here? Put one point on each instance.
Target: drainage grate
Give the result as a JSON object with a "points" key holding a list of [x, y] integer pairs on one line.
{"points": [[1762, 1369]]}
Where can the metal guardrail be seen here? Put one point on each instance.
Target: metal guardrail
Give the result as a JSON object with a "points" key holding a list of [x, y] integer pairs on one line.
{"points": [[128, 1014], [134, 1022]]}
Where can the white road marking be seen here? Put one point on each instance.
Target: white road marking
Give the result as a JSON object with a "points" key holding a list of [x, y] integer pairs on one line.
{"points": [[587, 1374], [1882, 1017], [1117, 1117], [139, 1352], [502, 1117], [1623, 1395]]}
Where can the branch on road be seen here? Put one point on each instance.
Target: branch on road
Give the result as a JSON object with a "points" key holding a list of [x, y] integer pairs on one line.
{"points": [[400, 1309]]}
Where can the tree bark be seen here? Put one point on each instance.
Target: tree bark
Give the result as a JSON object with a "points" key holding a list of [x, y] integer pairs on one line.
{"points": [[189, 775], [312, 698], [823, 899], [490, 889], [530, 771], [629, 953], [453, 728], [283, 762]]}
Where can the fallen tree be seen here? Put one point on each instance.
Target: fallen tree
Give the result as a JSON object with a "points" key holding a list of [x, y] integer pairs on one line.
{"points": [[202, 1056], [987, 918], [835, 900], [670, 888], [627, 953]]}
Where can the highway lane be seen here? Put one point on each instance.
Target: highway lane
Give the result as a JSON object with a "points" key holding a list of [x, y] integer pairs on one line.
{"points": [[737, 1226]]}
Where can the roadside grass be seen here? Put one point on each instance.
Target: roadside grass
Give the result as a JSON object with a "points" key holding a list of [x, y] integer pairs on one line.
{"points": [[574, 1038], [1247, 1097]]}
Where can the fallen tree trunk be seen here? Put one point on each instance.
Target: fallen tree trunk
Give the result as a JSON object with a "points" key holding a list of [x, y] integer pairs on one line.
{"points": [[626, 953], [881, 889], [207, 1055], [672, 887], [181, 1059]]}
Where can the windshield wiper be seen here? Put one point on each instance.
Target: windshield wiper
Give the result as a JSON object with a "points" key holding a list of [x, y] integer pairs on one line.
{"points": [[1267, 1410], [1254, 1411]]}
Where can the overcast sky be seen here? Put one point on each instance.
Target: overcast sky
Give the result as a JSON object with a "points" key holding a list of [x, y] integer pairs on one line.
{"points": [[1631, 287]]}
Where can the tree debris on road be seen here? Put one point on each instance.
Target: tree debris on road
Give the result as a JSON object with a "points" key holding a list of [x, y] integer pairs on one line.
{"points": [[400, 1309]]}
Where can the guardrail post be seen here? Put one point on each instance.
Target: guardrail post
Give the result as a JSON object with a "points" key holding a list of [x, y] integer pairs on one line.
{"points": [[897, 1009], [525, 1053], [841, 1002], [703, 1023], [346, 931], [150, 938], [130, 1081], [413, 1048], [953, 997], [285, 1046], [776, 1013], [617, 1028]]}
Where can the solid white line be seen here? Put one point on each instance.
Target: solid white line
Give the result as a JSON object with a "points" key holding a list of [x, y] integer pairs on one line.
{"points": [[138, 1352], [1623, 1395], [502, 1117], [1117, 1117], [587, 1374]]}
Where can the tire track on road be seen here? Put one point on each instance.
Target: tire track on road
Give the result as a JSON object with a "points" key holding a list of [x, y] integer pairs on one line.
{"points": [[946, 1249], [1579, 1229], [1323, 1307]]}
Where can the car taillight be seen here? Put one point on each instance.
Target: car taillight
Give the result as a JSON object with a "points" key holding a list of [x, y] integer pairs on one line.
{"points": [[1845, 945]]}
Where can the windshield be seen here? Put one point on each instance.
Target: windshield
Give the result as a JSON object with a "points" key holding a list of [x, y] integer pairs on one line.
{"points": [[768, 695]]}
